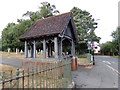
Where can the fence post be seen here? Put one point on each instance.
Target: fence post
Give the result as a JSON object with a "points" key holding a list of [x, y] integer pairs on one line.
{"points": [[59, 75], [66, 70], [11, 78], [46, 74], [23, 79], [47, 80], [55, 74], [32, 77], [51, 77], [28, 77], [3, 80], [40, 69], [17, 77], [36, 76], [69, 69], [42, 76]]}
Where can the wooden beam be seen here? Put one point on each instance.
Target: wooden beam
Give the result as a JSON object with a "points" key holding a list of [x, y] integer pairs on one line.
{"points": [[26, 50], [73, 48], [49, 49], [34, 49], [56, 46], [60, 48], [44, 48], [31, 51]]}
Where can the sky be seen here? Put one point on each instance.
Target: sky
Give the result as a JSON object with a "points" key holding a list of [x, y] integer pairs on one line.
{"points": [[105, 12]]}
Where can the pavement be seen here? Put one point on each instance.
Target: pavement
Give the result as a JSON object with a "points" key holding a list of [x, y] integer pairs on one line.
{"points": [[103, 75], [12, 62]]}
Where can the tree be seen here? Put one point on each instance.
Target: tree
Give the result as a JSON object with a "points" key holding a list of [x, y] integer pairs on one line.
{"points": [[116, 39], [33, 15], [47, 10], [85, 25], [109, 48], [113, 47], [7, 36], [0, 44], [11, 34]]}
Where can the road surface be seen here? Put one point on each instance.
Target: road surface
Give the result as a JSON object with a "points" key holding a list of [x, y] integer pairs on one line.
{"points": [[12, 62], [103, 75]]}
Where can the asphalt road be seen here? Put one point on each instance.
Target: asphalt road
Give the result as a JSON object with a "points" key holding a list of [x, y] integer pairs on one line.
{"points": [[12, 62], [103, 75]]}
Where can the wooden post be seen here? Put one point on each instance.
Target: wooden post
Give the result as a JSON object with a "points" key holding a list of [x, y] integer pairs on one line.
{"points": [[56, 47], [73, 48], [60, 48], [34, 47], [31, 51], [26, 50], [49, 49], [44, 48]]}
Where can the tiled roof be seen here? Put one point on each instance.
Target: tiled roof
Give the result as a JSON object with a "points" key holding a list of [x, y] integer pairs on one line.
{"points": [[48, 26]]}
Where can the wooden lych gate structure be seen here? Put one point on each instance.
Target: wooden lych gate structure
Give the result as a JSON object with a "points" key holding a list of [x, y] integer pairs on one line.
{"points": [[54, 33]]}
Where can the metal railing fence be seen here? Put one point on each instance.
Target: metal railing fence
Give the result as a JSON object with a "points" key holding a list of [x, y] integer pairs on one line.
{"points": [[50, 74]]}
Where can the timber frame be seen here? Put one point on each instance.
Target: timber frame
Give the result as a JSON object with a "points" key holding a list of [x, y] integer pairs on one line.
{"points": [[52, 42]]}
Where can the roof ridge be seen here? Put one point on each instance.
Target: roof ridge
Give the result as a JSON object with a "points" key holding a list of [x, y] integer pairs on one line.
{"points": [[53, 16]]}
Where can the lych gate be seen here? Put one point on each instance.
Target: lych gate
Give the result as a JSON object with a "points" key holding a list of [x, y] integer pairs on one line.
{"points": [[54, 32]]}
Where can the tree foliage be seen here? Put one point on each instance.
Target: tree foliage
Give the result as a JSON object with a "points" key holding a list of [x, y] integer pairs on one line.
{"points": [[11, 34], [85, 25], [47, 10], [113, 47], [109, 48], [33, 15]]}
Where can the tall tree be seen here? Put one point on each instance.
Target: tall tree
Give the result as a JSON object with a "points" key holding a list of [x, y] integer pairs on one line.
{"points": [[113, 47], [85, 25], [11, 34], [116, 39], [33, 15], [116, 34], [47, 10]]}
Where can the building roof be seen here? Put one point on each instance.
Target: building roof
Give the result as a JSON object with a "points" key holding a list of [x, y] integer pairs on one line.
{"points": [[49, 26]]}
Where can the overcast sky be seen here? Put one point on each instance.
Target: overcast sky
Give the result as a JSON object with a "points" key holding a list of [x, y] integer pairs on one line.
{"points": [[105, 10]]}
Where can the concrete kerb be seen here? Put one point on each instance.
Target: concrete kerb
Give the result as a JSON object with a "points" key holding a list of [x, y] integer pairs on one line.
{"points": [[85, 64]]}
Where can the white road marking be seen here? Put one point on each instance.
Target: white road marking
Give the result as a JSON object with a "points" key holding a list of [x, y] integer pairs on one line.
{"points": [[103, 61], [113, 69], [107, 62]]}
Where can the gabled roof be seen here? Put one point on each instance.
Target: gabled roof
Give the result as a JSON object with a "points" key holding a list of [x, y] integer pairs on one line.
{"points": [[49, 26]]}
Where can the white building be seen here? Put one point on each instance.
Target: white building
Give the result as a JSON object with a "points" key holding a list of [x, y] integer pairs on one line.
{"points": [[96, 47]]}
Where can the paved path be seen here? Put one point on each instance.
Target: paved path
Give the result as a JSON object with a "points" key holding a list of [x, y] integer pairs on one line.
{"points": [[12, 62], [103, 75]]}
